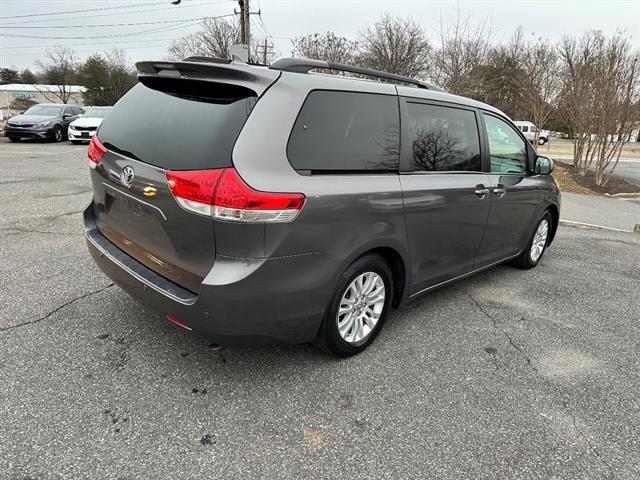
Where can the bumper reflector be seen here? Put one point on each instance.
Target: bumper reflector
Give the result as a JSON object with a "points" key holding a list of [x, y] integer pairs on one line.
{"points": [[180, 323]]}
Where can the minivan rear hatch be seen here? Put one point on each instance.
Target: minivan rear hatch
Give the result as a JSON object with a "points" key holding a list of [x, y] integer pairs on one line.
{"points": [[165, 123]]}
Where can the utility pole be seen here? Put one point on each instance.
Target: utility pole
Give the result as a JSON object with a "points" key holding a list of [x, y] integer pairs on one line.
{"points": [[264, 50], [243, 34], [264, 53], [247, 26]]}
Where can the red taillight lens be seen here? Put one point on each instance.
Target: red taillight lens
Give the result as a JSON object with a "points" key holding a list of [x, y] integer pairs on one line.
{"points": [[232, 192], [223, 194], [96, 151], [196, 186]]}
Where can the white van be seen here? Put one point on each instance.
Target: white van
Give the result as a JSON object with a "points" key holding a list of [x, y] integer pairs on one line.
{"points": [[528, 129]]}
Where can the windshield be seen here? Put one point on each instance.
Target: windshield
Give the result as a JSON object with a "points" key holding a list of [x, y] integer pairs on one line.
{"points": [[97, 112], [47, 110]]}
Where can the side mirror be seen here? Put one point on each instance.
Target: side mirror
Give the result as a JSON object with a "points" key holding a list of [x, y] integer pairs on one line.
{"points": [[544, 165], [67, 115]]}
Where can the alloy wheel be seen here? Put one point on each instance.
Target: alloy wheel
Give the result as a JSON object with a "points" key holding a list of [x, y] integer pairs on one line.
{"points": [[539, 240], [360, 308]]}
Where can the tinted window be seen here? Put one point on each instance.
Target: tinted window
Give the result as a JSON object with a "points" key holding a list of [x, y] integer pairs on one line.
{"points": [[524, 128], [507, 149], [177, 124], [46, 110], [67, 111], [443, 138], [345, 131]]}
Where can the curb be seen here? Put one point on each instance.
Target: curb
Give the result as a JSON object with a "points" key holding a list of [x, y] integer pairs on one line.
{"points": [[622, 195], [570, 223]]}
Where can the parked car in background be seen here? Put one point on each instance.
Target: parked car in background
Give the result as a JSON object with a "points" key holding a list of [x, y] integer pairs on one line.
{"points": [[529, 130], [45, 120], [82, 129], [247, 202]]}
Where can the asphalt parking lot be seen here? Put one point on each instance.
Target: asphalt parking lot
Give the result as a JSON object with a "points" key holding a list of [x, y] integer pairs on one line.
{"points": [[508, 374]]}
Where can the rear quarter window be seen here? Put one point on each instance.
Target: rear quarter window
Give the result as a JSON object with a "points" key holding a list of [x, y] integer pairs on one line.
{"points": [[346, 132], [178, 124]]}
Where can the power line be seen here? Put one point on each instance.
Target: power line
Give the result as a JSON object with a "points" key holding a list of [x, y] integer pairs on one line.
{"points": [[264, 29], [132, 34], [182, 7], [154, 30], [85, 10], [85, 44], [117, 24], [36, 54]]}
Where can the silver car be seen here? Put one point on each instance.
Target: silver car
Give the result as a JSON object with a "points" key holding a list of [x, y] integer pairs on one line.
{"points": [[253, 203]]}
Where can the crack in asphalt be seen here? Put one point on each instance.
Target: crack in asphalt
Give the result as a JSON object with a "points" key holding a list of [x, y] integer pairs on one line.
{"points": [[73, 212], [30, 180], [57, 309], [17, 230], [565, 402], [69, 194]]}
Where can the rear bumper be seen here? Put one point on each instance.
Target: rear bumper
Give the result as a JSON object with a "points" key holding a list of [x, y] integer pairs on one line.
{"points": [[242, 300], [27, 132]]}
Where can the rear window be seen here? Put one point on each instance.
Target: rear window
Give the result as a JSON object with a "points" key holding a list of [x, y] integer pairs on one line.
{"points": [[177, 124], [346, 132]]}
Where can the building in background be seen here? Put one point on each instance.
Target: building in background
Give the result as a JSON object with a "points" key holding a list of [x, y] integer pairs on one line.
{"points": [[17, 97]]}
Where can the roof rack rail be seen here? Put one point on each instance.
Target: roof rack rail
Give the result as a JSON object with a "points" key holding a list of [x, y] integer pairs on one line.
{"points": [[303, 65]]}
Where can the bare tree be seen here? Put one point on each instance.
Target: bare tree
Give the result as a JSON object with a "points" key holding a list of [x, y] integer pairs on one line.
{"points": [[578, 93], [395, 45], [496, 80], [464, 46], [214, 40], [601, 87], [60, 68], [326, 46], [539, 82]]}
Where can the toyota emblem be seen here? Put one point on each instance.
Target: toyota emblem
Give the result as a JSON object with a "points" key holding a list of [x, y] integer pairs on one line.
{"points": [[126, 177]]}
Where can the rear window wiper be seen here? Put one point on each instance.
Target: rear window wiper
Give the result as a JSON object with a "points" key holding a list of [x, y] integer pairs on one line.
{"points": [[126, 153]]}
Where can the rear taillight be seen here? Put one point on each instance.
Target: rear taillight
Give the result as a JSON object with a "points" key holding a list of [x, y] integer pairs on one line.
{"points": [[224, 195], [96, 151]]}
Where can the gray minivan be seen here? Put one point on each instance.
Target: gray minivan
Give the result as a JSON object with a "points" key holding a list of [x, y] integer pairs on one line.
{"points": [[249, 202]]}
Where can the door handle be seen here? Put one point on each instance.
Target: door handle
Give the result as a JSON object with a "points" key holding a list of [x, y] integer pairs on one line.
{"points": [[499, 190], [481, 191]]}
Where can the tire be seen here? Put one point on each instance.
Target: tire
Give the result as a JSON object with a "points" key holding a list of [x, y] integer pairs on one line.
{"points": [[537, 245], [14, 139], [58, 134], [542, 141], [369, 271]]}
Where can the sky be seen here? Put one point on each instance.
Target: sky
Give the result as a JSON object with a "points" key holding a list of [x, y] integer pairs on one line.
{"points": [[281, 20]]}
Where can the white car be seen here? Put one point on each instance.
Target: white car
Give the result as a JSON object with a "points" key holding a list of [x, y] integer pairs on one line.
{"points": [[529, 130], [82, 129]]}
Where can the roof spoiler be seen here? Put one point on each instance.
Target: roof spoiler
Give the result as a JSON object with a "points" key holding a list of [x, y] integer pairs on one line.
{"points": [[211, 69]]}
